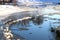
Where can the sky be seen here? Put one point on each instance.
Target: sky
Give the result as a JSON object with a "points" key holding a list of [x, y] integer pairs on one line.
{"points": [[49, 1], [55, 1]]}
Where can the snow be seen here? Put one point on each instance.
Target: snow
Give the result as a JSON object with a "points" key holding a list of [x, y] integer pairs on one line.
{"points": [[6, 10], [49, 10], [55, 16]]}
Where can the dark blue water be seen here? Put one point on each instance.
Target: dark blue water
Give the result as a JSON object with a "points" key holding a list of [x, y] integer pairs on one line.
{"points": [[37, 32]]}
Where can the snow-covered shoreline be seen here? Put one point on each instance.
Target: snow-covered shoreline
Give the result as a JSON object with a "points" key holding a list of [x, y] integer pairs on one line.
{"points": [[6, 10]]}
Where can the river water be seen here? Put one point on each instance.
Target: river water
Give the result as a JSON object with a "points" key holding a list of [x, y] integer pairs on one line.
{"points": [[37, 31]]}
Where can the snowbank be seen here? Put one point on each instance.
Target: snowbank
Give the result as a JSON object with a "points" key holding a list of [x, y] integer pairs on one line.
{"points": [[49, 10], [6, 10]]}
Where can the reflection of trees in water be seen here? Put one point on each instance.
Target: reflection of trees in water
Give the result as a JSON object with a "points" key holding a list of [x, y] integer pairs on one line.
{"points": [[38, 20], [24, 22]]}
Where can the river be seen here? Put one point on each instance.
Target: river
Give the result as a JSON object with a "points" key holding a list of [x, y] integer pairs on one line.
{"points": [[37, 31]]}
